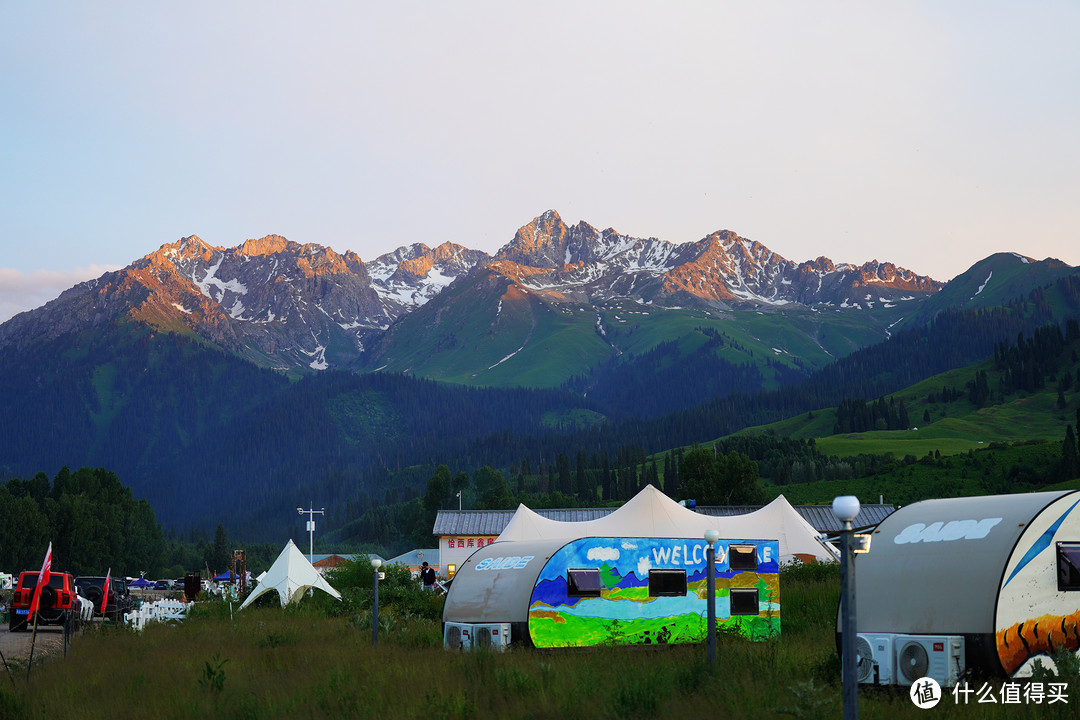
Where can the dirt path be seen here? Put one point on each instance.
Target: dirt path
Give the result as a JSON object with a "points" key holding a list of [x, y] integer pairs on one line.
{"points": [[16, 645]]}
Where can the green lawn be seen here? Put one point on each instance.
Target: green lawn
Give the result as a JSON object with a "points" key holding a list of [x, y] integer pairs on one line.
{"points": [[266, 663]]}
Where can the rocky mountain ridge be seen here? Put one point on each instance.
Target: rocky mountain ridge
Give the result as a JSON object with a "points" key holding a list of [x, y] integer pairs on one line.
{"points": [[297, 307], [722, 270]]}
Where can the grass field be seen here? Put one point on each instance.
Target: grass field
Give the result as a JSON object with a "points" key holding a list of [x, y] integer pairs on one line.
{"points": [[304, 662]]}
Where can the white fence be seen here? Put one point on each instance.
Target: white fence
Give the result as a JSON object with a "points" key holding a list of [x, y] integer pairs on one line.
{"points": [[158, 611]]}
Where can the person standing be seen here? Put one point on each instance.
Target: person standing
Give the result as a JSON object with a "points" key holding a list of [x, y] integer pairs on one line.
{"points": [[427, 576]]}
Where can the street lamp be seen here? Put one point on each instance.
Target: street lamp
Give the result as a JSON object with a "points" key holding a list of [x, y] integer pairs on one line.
{"points": [[711, 536], [311, 512], [845, 508], [376, 563]]}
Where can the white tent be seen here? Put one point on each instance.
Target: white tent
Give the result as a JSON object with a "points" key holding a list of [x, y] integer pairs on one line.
{"points": [[651, 513], [291, 574]]}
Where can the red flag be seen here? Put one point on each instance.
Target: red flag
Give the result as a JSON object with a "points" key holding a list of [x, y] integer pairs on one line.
{"points": [[105, 595], [42, 579]]}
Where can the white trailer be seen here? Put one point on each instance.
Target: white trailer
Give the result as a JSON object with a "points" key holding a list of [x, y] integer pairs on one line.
{"points": [[948, 585]]}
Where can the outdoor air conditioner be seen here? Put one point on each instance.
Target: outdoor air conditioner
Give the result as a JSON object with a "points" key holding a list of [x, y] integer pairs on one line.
{"points": [[874, 658], [457, 636], [494, 636], [940, 657]]}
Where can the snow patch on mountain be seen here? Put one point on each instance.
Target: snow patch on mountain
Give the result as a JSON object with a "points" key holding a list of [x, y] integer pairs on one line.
{"points": [[210, 280]]}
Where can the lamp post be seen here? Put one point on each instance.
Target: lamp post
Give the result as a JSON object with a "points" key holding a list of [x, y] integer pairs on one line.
{"points": [[845, 508], [311, 512], [376, 563], [711, 536]]}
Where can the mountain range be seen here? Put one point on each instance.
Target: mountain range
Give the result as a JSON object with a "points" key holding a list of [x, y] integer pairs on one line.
{"points": [[306, 307], [220, 382]]}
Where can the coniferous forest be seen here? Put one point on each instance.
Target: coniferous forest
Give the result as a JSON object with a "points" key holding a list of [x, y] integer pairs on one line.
{"points": [[208, 439]]}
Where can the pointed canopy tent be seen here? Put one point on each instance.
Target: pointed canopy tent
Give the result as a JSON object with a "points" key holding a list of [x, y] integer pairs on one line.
{"points": [[651, 513], [141, 583], [291, 574]]}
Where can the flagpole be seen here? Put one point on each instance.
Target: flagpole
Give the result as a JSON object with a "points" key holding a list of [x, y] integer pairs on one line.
{"points": [[35, 604], [8, 668], [33, 642]]}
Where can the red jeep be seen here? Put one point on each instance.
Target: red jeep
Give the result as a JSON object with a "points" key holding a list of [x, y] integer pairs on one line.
{"points": [[56, 603]]}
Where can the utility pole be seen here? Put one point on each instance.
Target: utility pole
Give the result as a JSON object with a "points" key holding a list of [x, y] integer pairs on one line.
{"points": [[311, 512]]}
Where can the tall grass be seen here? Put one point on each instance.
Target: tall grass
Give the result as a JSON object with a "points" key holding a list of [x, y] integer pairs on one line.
{"points": [[301, 662]]}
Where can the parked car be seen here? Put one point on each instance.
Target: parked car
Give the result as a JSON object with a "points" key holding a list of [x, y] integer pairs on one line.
{"points": [[85, 607], [119, 599], [57, 603]]}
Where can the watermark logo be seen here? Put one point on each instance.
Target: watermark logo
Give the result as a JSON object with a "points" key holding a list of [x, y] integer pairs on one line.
{"points": [[925, 693]]}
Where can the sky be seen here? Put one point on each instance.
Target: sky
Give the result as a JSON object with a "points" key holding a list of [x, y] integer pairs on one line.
{"points": [[927, 134]]}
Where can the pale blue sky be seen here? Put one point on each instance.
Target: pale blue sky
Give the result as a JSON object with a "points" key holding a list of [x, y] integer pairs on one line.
{"points": [[929, 134]]}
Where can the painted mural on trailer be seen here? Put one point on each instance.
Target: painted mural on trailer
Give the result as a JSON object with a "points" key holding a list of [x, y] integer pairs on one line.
{"points": [[597, 590], [1038, 607]]}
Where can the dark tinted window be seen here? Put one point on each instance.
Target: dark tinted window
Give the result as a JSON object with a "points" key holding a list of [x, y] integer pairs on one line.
{"points": [[667, 583], [583, 583], [744, 601], [1068, 564], [742, 557]]}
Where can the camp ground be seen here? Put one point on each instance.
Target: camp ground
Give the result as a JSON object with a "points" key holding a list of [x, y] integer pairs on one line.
{"points": [[977, 583], [637, 575]]}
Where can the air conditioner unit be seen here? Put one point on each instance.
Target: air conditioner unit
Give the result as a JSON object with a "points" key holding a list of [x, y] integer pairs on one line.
{"points": [[473, 636], [493, 636], [874, 655], [940, 657], [457, 636]]}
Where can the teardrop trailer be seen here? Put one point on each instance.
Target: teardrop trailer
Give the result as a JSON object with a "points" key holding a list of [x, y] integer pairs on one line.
{"points": [[595, 590], [989, 583]]}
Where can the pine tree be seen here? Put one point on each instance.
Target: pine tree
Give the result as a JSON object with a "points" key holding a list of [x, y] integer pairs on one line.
{"points": [[1070, 457]]}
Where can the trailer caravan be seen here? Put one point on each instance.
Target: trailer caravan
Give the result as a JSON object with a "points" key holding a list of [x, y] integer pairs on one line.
{"points": [[989, 583], [596, 590]]}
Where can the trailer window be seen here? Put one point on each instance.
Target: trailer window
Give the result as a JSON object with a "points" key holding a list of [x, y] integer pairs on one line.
{"points": [[1068, 563], [744, 601], [667, 583], [583, 583], [742, 557]]}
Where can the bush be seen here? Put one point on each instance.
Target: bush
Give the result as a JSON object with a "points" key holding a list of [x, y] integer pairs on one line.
{"points": [[399, 592]]}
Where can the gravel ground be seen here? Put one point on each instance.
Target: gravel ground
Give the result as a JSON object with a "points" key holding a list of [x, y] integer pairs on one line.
{"points": [[16, 645]]}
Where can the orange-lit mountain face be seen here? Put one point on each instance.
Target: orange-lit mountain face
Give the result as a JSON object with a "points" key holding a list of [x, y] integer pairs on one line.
{"points": [[722, 270], [272, 301], [306, 307]]}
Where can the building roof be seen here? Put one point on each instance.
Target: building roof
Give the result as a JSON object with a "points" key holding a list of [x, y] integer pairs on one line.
{"points": [[417, 557], [819, 516], [493, 522], [333, 559]]}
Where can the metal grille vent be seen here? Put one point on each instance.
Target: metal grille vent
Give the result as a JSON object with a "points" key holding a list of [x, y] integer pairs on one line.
{"points": [[864, 659], [482, 638], [453, 637], [913, 661]]}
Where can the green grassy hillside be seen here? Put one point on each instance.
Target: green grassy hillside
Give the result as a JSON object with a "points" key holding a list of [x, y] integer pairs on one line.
{"points": [[1010, 441], [952, 426], [995, 281], [490, 334]]}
